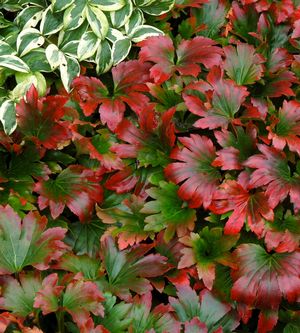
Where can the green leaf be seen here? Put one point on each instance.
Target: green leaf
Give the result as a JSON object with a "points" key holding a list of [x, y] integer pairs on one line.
{"points": [[74, 15], [84, 237], [69, 69], [18, 297], [144, 31], [59, 5], [103, 57], [89, 267], [158, 7], [167, 210], [120, 17], [120, 49], [27, 243], [98, 21], [28, 40], [51, 22], [108, 5], [29, 17], [37, 61], [13, 62], [25, 81], [88, 45], [8, 116], [5, 49]]}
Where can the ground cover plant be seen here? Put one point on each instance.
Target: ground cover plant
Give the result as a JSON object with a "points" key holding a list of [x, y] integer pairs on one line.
{"points": [[163, 195]]}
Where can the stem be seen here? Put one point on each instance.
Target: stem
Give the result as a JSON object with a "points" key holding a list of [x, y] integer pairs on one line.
{"points": [[60, 322]]}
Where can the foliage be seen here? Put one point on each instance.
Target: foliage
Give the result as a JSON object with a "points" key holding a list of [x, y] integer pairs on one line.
{"points": [[161, 195]]}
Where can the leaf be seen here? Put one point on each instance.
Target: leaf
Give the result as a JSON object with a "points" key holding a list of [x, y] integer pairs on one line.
{"points": [[221, 108], [103, 57], [18, 296], [27, 40], [98, 21], [128, 270], [88, 45], [272, 171], [53, 55], [286, 130], [195, 169], [242, 64], [168, 212], [158, 7], [120, 17], [160, 50], [40, 119], [8, 116], [69, 69], [74, 15], [250, 208], [89, 267], [75, 187], [84, 237], [47, 299], [13, 62], [206, 249], [144, 31], [28, 242], [52, 22], [80, 298], [116, 317], [129, 215], [109, 5], [120, 49], [261, 278]]}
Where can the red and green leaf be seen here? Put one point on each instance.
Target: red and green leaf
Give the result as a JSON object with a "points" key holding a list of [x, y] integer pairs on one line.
{"points": [[28, 242], [75, 187]]}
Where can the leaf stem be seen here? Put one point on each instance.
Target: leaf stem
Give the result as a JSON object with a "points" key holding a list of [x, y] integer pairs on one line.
{"points": [[60, 321]]}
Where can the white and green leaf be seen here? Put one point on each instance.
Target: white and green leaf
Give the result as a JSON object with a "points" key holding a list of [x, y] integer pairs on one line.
{"points": [[51, 22], [136, 19], [108, 5], [88, 45], [5, 48], [54, 56], [70, 48], [60, 5], [158, 7], [29, 17], [144, 31], [29, 39], [104, 57], [98, 21], [13, 62], [74, 16], [140, 3], [120, 49], [69, 69], [120, 17], [114, 34], [25, 81], [8, 116]]}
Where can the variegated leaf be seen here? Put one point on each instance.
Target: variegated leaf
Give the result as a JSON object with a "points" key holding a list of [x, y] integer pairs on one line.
{"points": [[28, 40], [88, 45]]}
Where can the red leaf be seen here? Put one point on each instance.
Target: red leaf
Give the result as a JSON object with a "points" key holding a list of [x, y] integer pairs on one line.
{"points": [[248, 207], [273, 171], [39, 119], [47, 298], [195, 169], [75, 187], [267, 321], [190, 53], [262, 279], [111, 112], [286, 130], [195, 326]]}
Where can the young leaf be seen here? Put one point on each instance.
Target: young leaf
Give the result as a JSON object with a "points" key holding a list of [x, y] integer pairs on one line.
{"points": [[29, 242], [206, 249], [75, 187], [168, 211]]}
